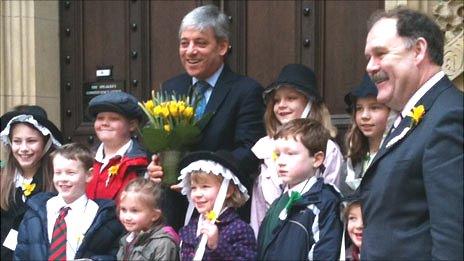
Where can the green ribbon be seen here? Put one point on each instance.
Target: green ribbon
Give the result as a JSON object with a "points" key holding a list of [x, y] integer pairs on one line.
{"points": [[291, 201]]}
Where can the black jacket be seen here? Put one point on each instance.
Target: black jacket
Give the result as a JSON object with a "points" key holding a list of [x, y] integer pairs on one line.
{"points": [[101, 241], [236, 125], [14, 215]]}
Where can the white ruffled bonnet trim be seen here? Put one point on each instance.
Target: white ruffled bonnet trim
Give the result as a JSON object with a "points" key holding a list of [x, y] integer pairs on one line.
{"points": [[208, 166], [4, 135]]}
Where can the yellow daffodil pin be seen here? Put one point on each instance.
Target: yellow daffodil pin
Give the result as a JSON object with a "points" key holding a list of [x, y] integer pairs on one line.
{"points": [[212, 216], [113, 170], [274, 156], [417, 113], [28, 188]]}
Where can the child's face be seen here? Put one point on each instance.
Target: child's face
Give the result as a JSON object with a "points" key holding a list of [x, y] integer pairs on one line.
{"points": [[355, 225], [135, 214], [294, 164], [289, 104], [112, 127], [203, 193], [371, 117], [27, 146], [70, 178]]}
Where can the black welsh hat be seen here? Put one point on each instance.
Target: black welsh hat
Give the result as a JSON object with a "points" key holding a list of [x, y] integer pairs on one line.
{"points": [[364, 89], [298, 76], [33, 115]]}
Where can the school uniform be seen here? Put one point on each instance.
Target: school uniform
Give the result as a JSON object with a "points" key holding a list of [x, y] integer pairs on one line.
{"points": [[96, 238], [310, 229]]}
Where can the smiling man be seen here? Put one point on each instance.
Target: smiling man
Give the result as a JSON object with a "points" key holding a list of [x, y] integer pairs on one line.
{"points": [[233, 100], [412, 192]]}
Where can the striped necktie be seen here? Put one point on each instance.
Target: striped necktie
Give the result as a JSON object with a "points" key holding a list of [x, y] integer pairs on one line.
{"points": [[200, 88], [58, 245]]}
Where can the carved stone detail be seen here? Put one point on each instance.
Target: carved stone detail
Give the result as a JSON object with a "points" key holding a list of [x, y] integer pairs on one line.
{"points": [[449, 16]]}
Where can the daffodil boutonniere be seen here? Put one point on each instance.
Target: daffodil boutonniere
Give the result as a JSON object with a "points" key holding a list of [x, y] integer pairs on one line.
{"points": [[28, 188], [112, 171], [274, 156], [212, 216], [416, 114]]}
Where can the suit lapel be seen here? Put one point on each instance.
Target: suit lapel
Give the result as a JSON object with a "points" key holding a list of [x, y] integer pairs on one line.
{"points": [[403, 130], [220, 91]]}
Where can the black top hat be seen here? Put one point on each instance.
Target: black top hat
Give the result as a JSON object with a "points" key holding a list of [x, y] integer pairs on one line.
{"points": [[119, 102], [364, 89], [223, 157], [39, 114], [300, 77]]}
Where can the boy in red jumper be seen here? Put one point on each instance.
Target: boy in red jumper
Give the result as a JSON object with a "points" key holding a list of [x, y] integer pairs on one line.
{"points": [[119, 158]]}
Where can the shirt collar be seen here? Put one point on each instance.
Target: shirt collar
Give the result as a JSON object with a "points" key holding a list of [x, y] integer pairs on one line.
{"points": [[303, 186], [58, 202], [421, 92], [100, 157], [212, 80]]}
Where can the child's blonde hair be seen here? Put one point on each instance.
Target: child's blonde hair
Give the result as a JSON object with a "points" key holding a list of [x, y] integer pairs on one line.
{"points": [[319, 112], [236, 200], [149, 192]]}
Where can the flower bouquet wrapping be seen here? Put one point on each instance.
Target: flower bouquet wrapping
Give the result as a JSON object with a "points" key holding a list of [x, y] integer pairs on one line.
{"points": [[172, 129]]}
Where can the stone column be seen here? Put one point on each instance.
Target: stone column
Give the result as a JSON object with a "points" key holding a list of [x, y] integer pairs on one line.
{"points": [[29, 55]]}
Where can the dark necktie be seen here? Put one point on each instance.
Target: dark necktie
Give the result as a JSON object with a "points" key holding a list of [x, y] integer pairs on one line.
{"points": [[58, 245], [200, 88]]}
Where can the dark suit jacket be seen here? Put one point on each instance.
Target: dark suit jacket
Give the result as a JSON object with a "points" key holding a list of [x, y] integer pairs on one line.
{"points": [[237, 122], [412, 193]]}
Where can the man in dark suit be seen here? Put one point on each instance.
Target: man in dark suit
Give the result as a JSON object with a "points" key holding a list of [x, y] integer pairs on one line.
{"points": [[235, 101], [412, 193]]}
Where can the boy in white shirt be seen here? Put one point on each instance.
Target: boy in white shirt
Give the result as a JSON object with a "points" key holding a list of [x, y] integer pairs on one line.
{"points": [[68, 225]]}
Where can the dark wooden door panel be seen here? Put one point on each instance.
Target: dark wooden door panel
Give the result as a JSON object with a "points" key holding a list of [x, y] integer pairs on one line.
{"points": [[140, 40], [165, 19]]}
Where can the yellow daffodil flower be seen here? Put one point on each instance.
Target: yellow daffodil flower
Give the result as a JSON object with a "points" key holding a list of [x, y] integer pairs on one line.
{"points": [[274, 156], [212, 216], [113, 170], [149, 105], [167, 128], [188, 112], [28, 188], [417, 113], [173, 109]]}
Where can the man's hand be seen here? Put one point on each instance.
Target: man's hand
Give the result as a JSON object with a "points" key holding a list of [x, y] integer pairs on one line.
{"points": [[154, 170]]}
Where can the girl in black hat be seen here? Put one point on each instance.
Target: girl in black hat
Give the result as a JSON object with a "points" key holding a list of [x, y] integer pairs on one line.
{"points": [[293, 95], [369, 126], [29, 138]]}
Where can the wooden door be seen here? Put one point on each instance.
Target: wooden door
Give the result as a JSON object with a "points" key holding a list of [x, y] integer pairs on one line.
{"points": [[139, 39]]}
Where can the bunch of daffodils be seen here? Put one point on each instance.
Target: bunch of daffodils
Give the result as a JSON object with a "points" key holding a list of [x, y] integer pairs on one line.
{"points": [[172, 124]]}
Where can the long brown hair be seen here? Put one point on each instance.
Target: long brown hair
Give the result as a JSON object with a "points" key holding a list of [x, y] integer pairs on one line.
{"points": [[7, 175], [356, 142]]}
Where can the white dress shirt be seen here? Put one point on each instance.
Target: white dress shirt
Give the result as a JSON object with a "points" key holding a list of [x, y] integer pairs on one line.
{"points": [[80, 216], [100, 155]]}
